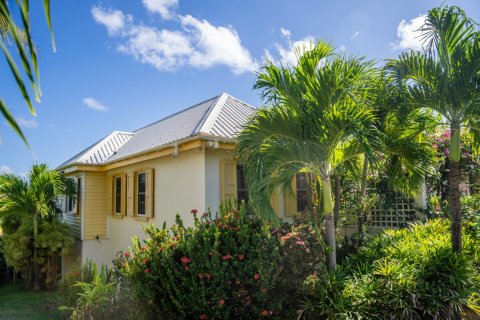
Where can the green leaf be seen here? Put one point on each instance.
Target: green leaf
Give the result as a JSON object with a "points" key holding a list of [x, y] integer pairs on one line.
{"points": [[11, 121], [46, 7]]}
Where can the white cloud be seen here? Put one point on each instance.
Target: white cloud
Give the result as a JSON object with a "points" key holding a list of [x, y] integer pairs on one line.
{"points": [[195, 43], [164, 49], [355, 34], [26, 123], [162, 7], [113, 20], [5, 169], [286, 52], [217, 46], [409, 35], [94, 104]]}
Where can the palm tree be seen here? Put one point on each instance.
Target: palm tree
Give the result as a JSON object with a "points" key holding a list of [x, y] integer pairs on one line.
{"points": [[446, 78], [317, 121], [27, 52], [33, 198]]}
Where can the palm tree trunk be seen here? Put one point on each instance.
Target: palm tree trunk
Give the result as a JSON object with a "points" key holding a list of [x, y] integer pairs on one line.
{"points": [[329, 224], [36, 285], [454, 190], [363, 194], [336, 206]]}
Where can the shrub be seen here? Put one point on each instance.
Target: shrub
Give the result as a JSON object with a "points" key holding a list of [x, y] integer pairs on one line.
{"points": [[90, 294], [230, 267], [408, 274]]}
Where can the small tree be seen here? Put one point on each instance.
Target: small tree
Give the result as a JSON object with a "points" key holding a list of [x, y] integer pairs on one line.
{"points": [[31, 200]]}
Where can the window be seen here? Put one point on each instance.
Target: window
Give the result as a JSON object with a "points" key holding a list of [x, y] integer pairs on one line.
{"points": [[242, 190], [302, 192], [141, 192], [79, 196], [118, 195], [69, 203]]}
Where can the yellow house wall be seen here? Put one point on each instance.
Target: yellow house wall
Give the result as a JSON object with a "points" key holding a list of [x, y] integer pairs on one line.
{"points": [[179, 186], [94, 220]]}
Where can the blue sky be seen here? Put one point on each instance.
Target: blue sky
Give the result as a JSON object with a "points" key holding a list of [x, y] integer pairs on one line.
{"points": [[123, 64]]}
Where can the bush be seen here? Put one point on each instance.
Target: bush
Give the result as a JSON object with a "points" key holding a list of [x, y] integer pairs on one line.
{"points": [[90, 294], [230, 267], [406, 274]]}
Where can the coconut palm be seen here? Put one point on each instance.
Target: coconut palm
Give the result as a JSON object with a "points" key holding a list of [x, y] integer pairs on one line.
{"points": [[33, 198], [318, 120], [10, 32], [446, 78]]}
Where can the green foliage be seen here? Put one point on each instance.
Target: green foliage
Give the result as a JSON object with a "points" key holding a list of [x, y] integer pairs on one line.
{"points": [[230, 267], [89, 293], [402, 274]]}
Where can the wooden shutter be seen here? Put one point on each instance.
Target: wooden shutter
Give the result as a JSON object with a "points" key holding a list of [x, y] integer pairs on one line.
{"points": [[78, 202], [109, 197], [274, 202], [149, 192], [228, 180], [123, 197], [130, 183], [291, 200]]}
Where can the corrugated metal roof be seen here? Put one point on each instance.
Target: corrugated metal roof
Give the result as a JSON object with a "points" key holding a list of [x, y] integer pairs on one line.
{"points": [[219, 117]]}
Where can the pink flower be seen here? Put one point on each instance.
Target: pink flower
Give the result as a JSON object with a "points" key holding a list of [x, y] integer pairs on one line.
{"points": [[208, 275], [300, 243], [447, 152], [200, 275], [203, 317], [227, 257], [241, 257], [256, 276], [186, 268], [205, 214], [221, 302], [185, 260], [194, 211], [127, 254], [266, 313], [147, 270], [144, 261]]}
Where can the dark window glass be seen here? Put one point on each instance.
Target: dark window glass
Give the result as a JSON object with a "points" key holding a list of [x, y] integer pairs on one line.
{"points": [[118, 195], [141, 186], [302, 194], [79, 195], [242, 190], [69, 204]]}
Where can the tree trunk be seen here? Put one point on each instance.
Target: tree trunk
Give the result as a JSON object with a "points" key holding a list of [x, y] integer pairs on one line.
{"points": [[454, 190], [329, 224], [336, 207], [36, 285], [363, 194]]}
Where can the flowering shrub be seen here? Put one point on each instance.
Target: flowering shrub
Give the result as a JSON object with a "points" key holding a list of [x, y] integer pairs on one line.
{"points": [[222, 268]]}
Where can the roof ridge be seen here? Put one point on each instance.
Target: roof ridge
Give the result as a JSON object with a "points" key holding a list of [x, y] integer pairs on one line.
{"points": [[213, 113], [176, 113], [99, 145]]}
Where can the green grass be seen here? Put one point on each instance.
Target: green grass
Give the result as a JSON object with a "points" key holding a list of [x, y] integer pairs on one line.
{"points": [[19, 304]]}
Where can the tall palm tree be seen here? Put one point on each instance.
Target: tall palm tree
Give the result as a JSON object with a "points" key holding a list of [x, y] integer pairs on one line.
{"points": [[318, 119], [33, 198], [27, 52], [446, 78]]}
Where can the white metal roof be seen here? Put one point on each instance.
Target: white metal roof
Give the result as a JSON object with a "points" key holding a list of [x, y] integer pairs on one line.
{"points": [[220, 117]]}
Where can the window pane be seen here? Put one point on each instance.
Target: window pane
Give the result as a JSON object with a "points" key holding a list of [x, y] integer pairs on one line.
{"points": [[302, 200], [242, 190], [301, 181], [118, 195], [141, 187]]}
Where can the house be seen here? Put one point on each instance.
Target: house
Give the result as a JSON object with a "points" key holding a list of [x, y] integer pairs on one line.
{"points": [[181, 162]]}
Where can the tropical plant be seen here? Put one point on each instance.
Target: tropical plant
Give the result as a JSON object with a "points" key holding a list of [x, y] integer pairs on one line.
{"points": [[29, 201], [318, 120], [446, 78], [27, 52]]}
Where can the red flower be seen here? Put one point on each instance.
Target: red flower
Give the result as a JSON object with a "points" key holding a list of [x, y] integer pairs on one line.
{"points": [[266, 313], [194, 211], [145, 261], [227, 257], [256, 276], [205, 214], [200, 275], [208, 275], [248, 301], [127, 254], [186, 268], [203, 317], [144, 248], [241, 257], [221, 302], [147, 270], [235, 211], [185, 260]]}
